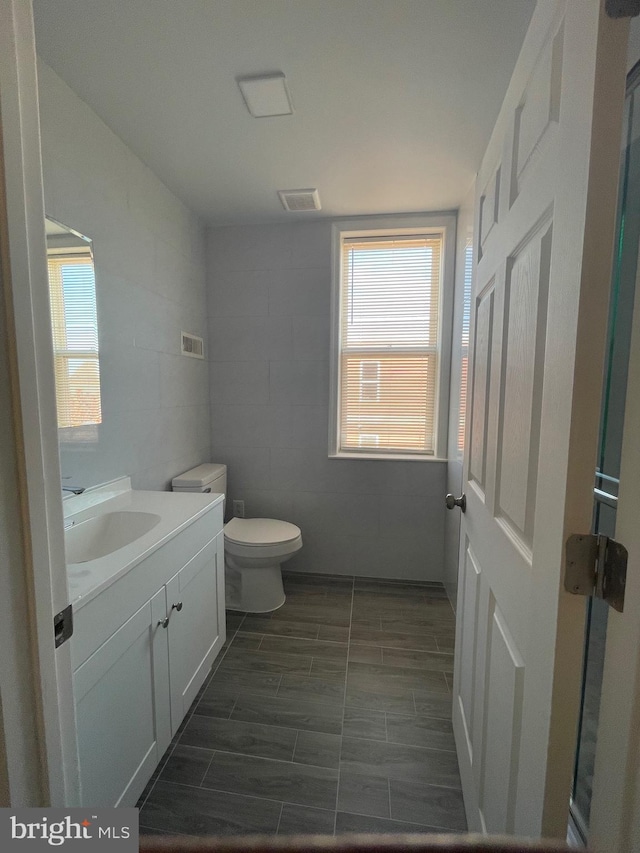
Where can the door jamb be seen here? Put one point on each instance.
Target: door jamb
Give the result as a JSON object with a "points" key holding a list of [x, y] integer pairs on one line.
{"points": [[47, 702]]}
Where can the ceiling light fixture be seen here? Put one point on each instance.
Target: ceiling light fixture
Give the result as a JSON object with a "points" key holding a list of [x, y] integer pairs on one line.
{"points": [[266, 95]]}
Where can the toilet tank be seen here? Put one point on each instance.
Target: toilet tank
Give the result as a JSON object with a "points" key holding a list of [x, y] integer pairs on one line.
{"points": [[210, 477]]}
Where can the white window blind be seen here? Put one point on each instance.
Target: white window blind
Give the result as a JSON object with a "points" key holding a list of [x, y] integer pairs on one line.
{"points": [[75, 340], [466, 325], [389, 344]]}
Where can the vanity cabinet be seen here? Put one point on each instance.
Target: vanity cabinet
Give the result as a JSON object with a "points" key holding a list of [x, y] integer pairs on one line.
{"points": [[133, 690]]}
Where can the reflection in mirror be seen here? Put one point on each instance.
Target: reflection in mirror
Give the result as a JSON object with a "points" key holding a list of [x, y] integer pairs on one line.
{"points": [[74, 320]]}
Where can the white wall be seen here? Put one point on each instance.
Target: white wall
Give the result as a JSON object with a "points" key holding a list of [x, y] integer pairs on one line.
{"points": [[454, 452], [269, 289], [150, 280]]}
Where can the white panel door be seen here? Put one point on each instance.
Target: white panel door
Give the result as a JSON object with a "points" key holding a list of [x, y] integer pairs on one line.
{"points": [[545, 216]]}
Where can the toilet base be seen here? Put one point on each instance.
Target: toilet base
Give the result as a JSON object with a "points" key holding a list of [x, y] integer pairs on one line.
{"points": [[252, 590]]}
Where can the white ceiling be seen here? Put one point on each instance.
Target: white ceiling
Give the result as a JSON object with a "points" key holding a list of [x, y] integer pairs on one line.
{"points": [[394, 99]]}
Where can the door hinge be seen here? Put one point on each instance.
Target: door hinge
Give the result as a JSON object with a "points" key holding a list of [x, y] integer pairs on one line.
{"points": [[63, 625], [622, 8], [596, 565]]}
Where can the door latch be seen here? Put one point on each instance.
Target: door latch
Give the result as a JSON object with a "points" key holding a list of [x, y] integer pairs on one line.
{"points": [[596, 565], [63, 625]]}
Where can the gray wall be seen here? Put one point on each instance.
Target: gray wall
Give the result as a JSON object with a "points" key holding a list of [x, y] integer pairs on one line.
{"points": [[150, 280], [269, 289], [455, 451]]}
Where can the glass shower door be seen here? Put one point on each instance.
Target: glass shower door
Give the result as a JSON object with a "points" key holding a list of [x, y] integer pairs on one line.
{"points": [[611, 426]]}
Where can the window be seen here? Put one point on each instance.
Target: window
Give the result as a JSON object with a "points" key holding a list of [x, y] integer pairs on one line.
{"points": [[388, 313], [75, 340]]}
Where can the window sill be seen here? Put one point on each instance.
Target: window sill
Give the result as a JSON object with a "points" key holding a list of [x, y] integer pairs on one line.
{"points": [[391, 457]]}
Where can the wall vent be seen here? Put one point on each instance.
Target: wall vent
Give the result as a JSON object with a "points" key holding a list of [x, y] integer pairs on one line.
{"points": [[192, 345], [300, 200]]}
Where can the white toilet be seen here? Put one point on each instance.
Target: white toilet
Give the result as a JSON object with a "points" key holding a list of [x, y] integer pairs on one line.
{"points": [[254, 548]]}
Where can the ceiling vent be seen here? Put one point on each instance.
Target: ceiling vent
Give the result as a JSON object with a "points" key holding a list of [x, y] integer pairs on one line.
{"points": [[192, 345], [296, 201]]}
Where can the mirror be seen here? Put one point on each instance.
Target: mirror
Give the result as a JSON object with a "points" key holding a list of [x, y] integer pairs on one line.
{"points": [[74, 321]]}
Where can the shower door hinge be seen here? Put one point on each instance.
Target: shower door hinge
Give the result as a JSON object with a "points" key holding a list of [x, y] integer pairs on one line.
{"points": [[63, 625], [622, 8], [596, 565]]}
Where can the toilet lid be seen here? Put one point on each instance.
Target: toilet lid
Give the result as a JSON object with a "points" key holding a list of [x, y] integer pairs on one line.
{"points": [[260, 531]]}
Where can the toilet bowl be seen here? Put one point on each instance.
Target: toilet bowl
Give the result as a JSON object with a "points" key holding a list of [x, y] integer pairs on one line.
{"points": [[254, 548]]}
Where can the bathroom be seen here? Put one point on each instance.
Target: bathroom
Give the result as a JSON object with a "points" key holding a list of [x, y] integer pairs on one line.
{"points": [[256, 288], [260, 298]]}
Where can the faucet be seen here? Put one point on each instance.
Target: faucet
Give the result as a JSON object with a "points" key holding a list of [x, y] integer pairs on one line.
{"points": [[75, 490]]}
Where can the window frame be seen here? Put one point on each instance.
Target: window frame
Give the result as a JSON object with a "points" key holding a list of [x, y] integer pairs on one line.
{"points": [[390, 226], [62, 356]]}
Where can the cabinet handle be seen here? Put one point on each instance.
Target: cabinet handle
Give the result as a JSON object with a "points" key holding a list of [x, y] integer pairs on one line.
{"points": [[165, 622]]}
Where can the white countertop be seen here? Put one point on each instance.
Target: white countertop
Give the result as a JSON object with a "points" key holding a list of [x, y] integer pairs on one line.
{"points": [[176, 511]]}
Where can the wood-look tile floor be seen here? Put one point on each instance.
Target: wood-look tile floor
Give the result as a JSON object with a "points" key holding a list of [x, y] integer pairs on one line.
{"points": [[329, 715]]}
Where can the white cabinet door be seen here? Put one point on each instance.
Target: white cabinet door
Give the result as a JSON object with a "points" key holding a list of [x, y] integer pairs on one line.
{"points": [[122, 712], [196, 628], [545, 216]]}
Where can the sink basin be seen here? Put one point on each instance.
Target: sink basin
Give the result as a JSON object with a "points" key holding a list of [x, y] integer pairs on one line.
{"points": [[96, 537]]}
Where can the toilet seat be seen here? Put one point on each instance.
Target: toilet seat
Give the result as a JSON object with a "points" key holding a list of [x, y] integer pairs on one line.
{"points": [[260, 532]]}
